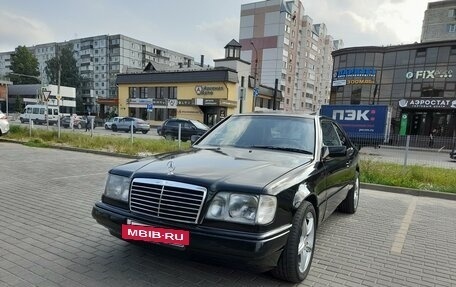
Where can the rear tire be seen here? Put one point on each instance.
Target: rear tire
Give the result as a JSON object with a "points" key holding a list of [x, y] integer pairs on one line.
{"points": [[350, 203], [296, 259]]}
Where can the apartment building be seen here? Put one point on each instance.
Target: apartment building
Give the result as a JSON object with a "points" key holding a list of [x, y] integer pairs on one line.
{"points": [[283, 43], [439, 23], [99, 60]]}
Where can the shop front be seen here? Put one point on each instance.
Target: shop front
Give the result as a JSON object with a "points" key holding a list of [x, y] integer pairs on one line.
{"points": [[423, 116]]}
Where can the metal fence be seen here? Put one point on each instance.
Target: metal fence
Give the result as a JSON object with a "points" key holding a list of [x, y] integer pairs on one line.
{"points": [[408, 150]]}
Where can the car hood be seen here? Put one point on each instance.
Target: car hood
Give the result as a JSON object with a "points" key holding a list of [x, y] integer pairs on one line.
{"points": [[233, 169]]}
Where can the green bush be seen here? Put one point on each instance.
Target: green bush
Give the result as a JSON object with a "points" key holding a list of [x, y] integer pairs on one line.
{"points": [[418, 177], [140, 146]]}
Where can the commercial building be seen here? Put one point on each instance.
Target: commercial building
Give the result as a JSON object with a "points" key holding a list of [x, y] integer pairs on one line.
{"points": [[207, 95], [22, 95], [417, 80], [439, 21], [283, 43], [100, 59]]}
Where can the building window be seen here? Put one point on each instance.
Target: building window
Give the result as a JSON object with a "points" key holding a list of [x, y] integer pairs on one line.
{"points": [[421, 52], [451, 28], [452, 13]]}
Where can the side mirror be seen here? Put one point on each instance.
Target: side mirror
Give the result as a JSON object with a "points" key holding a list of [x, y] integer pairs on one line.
{"points": [[194, 138], [333, 151]]}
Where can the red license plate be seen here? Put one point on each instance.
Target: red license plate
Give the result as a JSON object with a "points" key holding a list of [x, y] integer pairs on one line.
{"points": [[155, 234]]}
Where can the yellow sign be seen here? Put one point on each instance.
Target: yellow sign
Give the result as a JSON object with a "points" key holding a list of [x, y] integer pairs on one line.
{"points": [[361, 82]]}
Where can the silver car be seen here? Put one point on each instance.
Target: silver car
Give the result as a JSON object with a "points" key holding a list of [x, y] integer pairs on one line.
{"points": [[4, 124], [111, 121], [126, 124]]}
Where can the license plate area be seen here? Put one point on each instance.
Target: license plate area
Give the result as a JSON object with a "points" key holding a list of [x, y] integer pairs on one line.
{"points": [[143, 232]]}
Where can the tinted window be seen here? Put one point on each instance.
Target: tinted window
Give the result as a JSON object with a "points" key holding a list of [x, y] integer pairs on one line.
{"points": [[330, 136]]}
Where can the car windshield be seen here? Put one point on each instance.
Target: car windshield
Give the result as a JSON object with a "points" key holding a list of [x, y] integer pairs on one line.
{"points": [[288, 133], [199, 125]]}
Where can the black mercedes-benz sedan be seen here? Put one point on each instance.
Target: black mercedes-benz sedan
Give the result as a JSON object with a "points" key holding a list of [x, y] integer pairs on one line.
{"points": [[251, 191]]}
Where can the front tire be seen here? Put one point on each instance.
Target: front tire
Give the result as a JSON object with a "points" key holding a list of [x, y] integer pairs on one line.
{"points": [[114, 128], [296, 259], [350, 203]]}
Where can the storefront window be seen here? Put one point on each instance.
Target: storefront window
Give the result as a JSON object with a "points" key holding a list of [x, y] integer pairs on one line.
{"points": [[389, 59], [402, 58], [378, 60], [431, 55], [443, 55], [399, 76], [356, 96], [359, 62], [387, 76], [397, 91], [369, 61]]}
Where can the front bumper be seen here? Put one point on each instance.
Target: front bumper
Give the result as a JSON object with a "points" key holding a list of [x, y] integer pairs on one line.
{"points": [[257, 251]]}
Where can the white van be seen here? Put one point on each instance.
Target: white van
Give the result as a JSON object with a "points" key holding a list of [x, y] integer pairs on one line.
{"points": [[37, 113]]}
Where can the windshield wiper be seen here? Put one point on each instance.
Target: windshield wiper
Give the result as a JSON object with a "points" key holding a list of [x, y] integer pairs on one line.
{"points": [[281, 148]]}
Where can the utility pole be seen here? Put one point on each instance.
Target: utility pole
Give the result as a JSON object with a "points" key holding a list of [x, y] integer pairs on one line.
{"points": [[58, 90], [241, 97], [255, 79]]}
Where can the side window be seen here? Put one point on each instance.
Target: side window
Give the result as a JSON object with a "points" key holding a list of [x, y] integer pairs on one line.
{"points": [[56, 112], [36, 111], [173, 124], [42, 111], [330, 136], [342, 136]]}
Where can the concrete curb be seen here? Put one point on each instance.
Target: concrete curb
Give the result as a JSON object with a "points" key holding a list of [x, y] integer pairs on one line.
{"points": [[410, 191], [386, 188]]}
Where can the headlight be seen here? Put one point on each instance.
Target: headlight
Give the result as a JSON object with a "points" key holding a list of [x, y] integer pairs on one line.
{"points": [[242, 208], [117, 187]]}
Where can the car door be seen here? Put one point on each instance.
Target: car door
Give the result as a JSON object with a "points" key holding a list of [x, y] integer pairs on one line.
{"points": [[336, 167]]}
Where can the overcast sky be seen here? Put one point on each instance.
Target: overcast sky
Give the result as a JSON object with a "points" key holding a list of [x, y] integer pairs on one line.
{"points": [[196, 27]]}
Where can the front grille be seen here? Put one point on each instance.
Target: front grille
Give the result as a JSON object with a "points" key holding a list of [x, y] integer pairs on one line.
{"points": [[169, 200]]}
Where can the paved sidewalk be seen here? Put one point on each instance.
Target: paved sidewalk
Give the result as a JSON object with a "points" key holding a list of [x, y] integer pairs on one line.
{"points": [[48, 237]]}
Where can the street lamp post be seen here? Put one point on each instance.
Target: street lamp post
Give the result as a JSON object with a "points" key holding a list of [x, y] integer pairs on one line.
{"points": [[256, 71]]}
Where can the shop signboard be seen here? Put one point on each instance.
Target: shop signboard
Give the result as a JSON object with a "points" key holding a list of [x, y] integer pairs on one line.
{"points": [[428, 103]]}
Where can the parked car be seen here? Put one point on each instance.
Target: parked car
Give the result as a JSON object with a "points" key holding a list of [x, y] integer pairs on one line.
{"points": [[453, 153], [109, 123], [4, 124], [79, 122], [170, 129], [250, 192], [125, 125]]}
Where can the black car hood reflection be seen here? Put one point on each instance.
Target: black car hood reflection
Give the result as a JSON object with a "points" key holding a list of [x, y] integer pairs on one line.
{"points": [[224, 168]]}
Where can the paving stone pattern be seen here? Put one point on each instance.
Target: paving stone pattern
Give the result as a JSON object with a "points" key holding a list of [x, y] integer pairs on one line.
{"points": [[48, 237]]}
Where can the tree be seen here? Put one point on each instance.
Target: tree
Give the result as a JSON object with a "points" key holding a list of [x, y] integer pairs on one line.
{"points": [[24, 62], [69, 73], [19, 104]]}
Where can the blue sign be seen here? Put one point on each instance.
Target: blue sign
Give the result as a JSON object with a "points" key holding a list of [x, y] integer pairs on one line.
{"points": [[355, 72], [150, 107], [256, 92]]}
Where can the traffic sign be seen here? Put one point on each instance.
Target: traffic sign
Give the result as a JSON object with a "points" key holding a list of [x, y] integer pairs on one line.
{"points": [[150, 107], [256, 92]]}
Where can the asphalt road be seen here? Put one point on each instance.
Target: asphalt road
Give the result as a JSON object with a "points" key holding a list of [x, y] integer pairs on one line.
{"points": [[48, 237]]}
